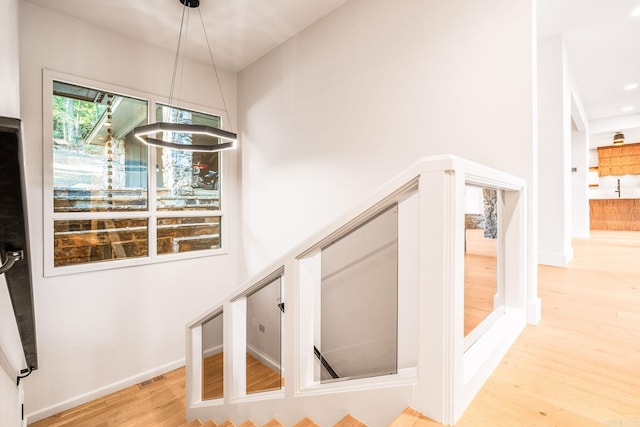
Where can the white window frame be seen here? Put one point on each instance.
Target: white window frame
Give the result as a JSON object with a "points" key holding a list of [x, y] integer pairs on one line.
{"points": [[151, 214]]}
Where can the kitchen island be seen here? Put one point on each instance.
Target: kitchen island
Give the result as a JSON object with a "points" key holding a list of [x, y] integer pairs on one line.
{"points": [[615, 214]]}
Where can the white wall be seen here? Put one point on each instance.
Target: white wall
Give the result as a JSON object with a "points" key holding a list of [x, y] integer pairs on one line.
{"points": [[11, 354], [359, 308], [607, 186], [554, 152], [579, 185], [262, 310], [360, 95], [9, 65], [11, 361], [100, 331], [212, 336]]}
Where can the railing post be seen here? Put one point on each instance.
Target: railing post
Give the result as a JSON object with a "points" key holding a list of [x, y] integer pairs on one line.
{"points": [[440, 294]]}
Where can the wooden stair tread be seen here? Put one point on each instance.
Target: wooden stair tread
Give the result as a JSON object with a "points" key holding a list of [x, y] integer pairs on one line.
{"points": [[227, 423], [412, 418], [248, 423], [349, 421], [210, 423], [306, 422], [273, 423]]}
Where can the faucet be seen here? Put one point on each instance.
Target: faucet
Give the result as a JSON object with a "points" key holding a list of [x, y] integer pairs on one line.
{"points": [[618, 189]]}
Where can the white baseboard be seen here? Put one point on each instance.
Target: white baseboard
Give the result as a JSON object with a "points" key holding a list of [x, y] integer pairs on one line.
{"points": [[534, 311], [213, 350], [102, 391], [581, 234], [263, 358], [555, 259]]}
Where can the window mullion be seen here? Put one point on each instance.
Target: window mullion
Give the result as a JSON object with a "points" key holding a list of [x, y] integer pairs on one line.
{"points": [[152, 200]]}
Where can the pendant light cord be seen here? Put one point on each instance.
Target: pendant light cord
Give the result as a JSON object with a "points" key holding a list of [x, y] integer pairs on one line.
{"points": [[215, 70], [175, 61]]}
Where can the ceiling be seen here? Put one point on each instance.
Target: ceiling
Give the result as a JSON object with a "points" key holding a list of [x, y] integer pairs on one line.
{"points": [[602, 41], [239, 31]]}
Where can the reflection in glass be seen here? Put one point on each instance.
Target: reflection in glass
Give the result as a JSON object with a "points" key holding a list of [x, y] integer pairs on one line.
{"points": [[97, 163], [187, 180], [185, 234], [87, 241], [481, 295], [359, 302], [263, 339], [212, 358]]}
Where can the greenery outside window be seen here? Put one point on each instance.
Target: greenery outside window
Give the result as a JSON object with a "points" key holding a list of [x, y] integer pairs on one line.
{"points": [[105, 206]]}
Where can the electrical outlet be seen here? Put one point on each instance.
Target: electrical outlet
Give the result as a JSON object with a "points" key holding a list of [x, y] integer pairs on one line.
{"points": [[261, 328]]}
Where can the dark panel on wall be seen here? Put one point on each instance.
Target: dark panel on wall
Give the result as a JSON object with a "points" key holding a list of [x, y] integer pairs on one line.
{"points": [[14, 234]]}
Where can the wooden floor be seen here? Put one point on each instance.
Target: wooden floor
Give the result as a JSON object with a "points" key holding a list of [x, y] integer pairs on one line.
{"points": [[259, 377], [579, 367]]}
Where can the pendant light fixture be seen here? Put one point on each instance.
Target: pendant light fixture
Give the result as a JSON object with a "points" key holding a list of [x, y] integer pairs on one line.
{"points": [[618, 138], [220, 139]]}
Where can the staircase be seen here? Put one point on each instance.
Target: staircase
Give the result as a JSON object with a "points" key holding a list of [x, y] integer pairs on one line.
{"points": [[398, 257], [408, 418]]}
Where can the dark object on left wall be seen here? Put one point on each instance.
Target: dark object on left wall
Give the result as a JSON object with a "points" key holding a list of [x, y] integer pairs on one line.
{"points": [[14, 235]]}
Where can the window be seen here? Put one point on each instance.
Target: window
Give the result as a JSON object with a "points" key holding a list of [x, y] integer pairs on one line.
{"points": [[105, 205]]}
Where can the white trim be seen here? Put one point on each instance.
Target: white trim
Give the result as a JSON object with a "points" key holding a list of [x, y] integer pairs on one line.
{"points": [[217, 349], [581, 234], [446, 377], [103, 391], [151, 213], [555, 259], [263, 358]]}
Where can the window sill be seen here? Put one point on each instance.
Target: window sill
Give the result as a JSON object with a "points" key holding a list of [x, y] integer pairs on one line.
{"points": [[131, 262]]}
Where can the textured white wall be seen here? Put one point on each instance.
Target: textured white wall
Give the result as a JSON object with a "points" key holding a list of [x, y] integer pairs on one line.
{"points": [[360, 95], [100, 331]]}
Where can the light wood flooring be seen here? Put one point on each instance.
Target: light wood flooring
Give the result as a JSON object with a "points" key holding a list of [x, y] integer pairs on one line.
{"points": [[259, 377], [579, 367]]}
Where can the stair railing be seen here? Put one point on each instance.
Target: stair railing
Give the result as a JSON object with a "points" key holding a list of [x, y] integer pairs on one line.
{"points": [[324, 363], [14, 239], [437, 373]]}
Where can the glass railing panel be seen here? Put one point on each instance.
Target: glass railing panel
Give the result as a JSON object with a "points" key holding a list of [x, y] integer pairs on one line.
{"points": [[264, 341], [481, 291], [212, 358], [358, 331]]}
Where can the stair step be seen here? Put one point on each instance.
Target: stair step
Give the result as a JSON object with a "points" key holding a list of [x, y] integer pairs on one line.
{"points": [[412, 418], [227, 423], [306, 422], [194, 423], [273, 423], [350, 421], [248, 423], [210, 423]]}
